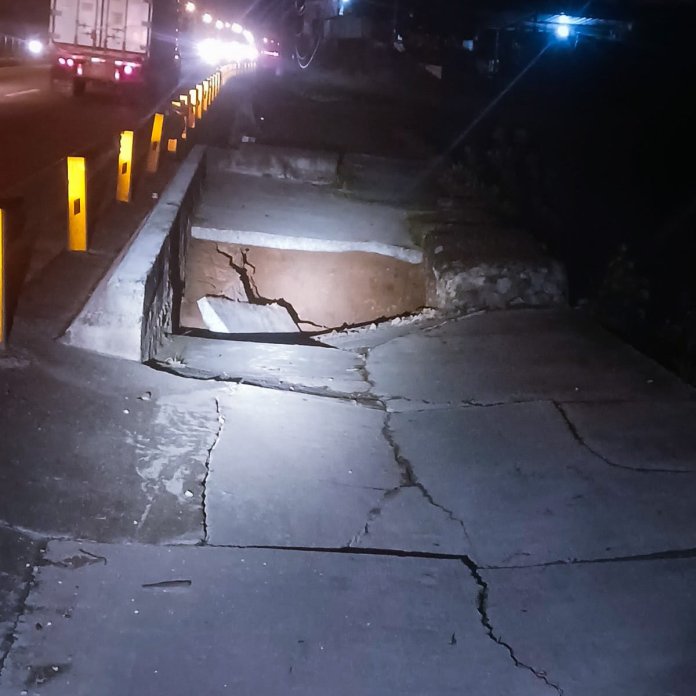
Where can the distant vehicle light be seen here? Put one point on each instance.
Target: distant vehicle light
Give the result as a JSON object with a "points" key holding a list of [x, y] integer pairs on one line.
{"points": [[210, 51], [207, 18], [562, 31], [219, 25], [237, 28], [191, 7], [128, 70], [265, 39], [35, 47]]}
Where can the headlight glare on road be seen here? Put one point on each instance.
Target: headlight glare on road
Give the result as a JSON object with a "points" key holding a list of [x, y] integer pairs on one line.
{"points": [[35, 47], [210, 51]]}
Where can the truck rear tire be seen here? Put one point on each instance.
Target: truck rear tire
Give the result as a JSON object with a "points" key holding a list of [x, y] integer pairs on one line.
{"points": [[78, 87]]}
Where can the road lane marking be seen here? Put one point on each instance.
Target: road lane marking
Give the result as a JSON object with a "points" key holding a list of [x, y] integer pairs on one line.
{"points": [[22, 92]]}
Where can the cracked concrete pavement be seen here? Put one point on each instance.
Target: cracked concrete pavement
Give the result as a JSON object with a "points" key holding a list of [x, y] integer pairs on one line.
{"points": [[415, 531], [497, 505]]}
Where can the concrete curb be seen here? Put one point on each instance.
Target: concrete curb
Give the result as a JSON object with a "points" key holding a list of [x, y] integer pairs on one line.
{"points": [[292, 243], [131, 309]]}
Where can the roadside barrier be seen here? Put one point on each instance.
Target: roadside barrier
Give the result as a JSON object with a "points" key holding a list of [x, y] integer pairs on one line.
{"points": [[155, 143], [83, 187], [124, 181], [77, 204]]}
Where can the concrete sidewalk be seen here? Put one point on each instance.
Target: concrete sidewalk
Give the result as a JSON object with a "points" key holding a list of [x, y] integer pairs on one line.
{"points": [[499, 504]]}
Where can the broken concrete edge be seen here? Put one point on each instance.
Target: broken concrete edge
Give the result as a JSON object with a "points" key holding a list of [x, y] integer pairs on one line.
{"points": [[288, 163], [291, 243], [132, 307], [498, 272]]}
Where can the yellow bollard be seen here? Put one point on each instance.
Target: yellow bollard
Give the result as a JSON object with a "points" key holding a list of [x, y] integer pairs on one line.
{"points": [[183, 101], [193, 96], [206, 95], [155, 143], [77, 204], [199, 101], [3, 276], [172, 146], [125, 168]]}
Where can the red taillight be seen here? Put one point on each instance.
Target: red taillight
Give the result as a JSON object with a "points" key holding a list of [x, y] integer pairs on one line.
{"points": [[117, 75], [70, 62], [61, 61], [128, 70], [79, 70]]}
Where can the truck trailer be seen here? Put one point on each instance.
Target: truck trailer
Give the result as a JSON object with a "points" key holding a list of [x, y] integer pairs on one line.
{"points": [[123, 43]]}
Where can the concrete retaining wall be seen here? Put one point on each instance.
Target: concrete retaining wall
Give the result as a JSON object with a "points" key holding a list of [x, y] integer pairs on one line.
{"points": [[484, 267], [134, 304]]}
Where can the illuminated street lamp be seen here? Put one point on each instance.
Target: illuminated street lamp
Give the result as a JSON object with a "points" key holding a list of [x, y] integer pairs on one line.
{"points": [[191, 7], [207, 18]]}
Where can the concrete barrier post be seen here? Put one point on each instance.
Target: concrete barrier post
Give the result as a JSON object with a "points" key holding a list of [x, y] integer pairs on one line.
{"points": [[155, 143], [77, 204], [125, 168], [193, 97], [199, 101]]}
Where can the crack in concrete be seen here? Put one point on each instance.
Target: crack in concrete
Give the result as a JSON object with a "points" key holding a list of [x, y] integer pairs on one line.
{"points": [[665, 555], [482, 608], [207, 464], [580, 440], [408, 480], [29, 581], [193, 373], [252, 290]]}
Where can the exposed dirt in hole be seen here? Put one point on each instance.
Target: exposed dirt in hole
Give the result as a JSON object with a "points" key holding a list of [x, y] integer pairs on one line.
{"points": [[320, 290]]}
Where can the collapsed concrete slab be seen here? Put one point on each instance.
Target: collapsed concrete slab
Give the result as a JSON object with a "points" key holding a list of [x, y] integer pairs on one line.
{"points": [[221, 315], [131, 309], [324, 289]]}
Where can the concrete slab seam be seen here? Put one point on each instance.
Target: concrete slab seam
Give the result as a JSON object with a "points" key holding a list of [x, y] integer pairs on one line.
{"points": [[181, 370], [580, 440]]}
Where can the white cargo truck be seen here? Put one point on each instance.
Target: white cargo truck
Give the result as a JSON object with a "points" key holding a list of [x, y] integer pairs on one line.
{"points": [[119, 42]]}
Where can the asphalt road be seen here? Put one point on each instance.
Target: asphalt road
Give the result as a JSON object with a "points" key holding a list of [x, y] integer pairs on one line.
{"points": [[40, 125]]}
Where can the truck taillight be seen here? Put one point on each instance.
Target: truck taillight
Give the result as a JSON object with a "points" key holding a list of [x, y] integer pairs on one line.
{"points": [[128, 70], [79, 70], [70, 62]]}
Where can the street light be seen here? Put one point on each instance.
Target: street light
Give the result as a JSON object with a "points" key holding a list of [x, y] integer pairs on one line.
{"points": [[207, 18], [191, 7]]}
